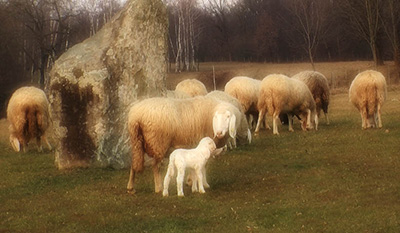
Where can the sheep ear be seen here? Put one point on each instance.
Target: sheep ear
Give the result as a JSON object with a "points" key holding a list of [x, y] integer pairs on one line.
{"points": [[232, 126], [215, 125], [15, 144]]}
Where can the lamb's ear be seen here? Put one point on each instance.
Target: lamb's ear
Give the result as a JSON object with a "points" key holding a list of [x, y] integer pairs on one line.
{"points": [[232, 126], [15, 143]]}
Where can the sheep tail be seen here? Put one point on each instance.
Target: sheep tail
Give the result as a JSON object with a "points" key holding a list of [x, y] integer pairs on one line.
{"points": [[372, 100], [32, 123], [137, 142]]}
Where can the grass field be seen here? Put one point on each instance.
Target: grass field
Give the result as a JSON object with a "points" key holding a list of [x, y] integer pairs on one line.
{"points": [[337, 179]]}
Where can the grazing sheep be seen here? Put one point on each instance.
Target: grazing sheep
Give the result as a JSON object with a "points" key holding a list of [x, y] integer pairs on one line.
{"points": [[241, 122], [246, 90], [28, 114], [319, 87], [192, 87], [368, 92], [158, 124], [281, 94], [194, 159]]}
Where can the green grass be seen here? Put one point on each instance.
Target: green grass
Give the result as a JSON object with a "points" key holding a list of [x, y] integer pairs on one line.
{"points": [[337, 179]]}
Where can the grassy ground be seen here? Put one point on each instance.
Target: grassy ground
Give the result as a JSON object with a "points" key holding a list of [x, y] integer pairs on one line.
{"points": [[337, 179]]}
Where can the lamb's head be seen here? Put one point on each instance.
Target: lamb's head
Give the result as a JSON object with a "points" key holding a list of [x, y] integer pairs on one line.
{"points": [[224, 121], [208, 143], [16, 143]]}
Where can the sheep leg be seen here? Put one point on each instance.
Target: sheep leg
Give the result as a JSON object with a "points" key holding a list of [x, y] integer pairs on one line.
{"points": [[327, 118], [290, 120], [44, 138], [379, 116], [39, 144], [364, 119], [275, 120], [131, 180], [179, 181], [157, 176], [316, 121], [260, 118]]}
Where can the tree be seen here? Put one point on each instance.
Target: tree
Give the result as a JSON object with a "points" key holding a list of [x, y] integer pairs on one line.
{"points": [[391, 24], [364, 17], [309, 18]]}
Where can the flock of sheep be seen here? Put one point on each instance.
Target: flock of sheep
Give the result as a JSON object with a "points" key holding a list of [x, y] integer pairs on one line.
{"points": [[189, 114]]}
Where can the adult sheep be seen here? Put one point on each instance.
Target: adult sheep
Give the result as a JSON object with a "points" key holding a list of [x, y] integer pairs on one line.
{"points": [[368, 93], [157, 124], [246, 90], [319, 87], [281, 94], [192, 87], [242, 126], [28, 114]]}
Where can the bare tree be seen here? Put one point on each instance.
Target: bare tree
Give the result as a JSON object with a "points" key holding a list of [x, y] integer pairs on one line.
{"points": [[364, 16], [310, 23], [391, 23]]}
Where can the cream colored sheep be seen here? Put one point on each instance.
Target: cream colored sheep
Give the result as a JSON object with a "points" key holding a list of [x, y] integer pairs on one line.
{"points": [[192, 87], [246, 90], [368, 93], [28, 114], [158, 124], [242, 124], [319, 87], [281, 94]]}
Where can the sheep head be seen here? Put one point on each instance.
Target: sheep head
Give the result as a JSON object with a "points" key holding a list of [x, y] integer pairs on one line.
{"points": [[16, 145], [224, 121]]}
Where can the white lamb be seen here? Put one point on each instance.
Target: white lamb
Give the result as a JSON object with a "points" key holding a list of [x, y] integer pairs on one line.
{"points": [[29, 117], [281, 94], [192, 87], [368, 93], [195, 159]]}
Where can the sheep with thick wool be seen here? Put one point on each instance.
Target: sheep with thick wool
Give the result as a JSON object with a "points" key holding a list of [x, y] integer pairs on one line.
{"points": [[246, 90], [192, 87], [319, 87], [281, 94], [368, 92], [194, 159], [28, 115], [241, 122], [157, 124]]}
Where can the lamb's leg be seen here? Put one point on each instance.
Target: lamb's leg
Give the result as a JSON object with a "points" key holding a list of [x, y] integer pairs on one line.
{"points": [[179, 181], [327, 118], [200, 180], [157, 176], [205, 183], [167, 179], [194, 181]]}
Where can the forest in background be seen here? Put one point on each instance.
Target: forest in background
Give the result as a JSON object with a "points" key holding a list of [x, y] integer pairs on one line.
{"points": [[34, 33]]}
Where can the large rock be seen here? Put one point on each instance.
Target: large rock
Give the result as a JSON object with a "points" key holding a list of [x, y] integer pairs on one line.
{"points": [[94, 83]]}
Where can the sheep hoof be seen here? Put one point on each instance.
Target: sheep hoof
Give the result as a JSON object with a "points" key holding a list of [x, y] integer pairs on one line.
{"points": [[165, 193], [131, 191]]}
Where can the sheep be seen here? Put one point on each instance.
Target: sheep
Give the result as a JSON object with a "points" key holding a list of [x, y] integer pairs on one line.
{"points": [[194, 159], [242, 124], [246, 90], [28, 114], [157, 124], [368, 92], [319, 87], [191, 87], [281, 94]]}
